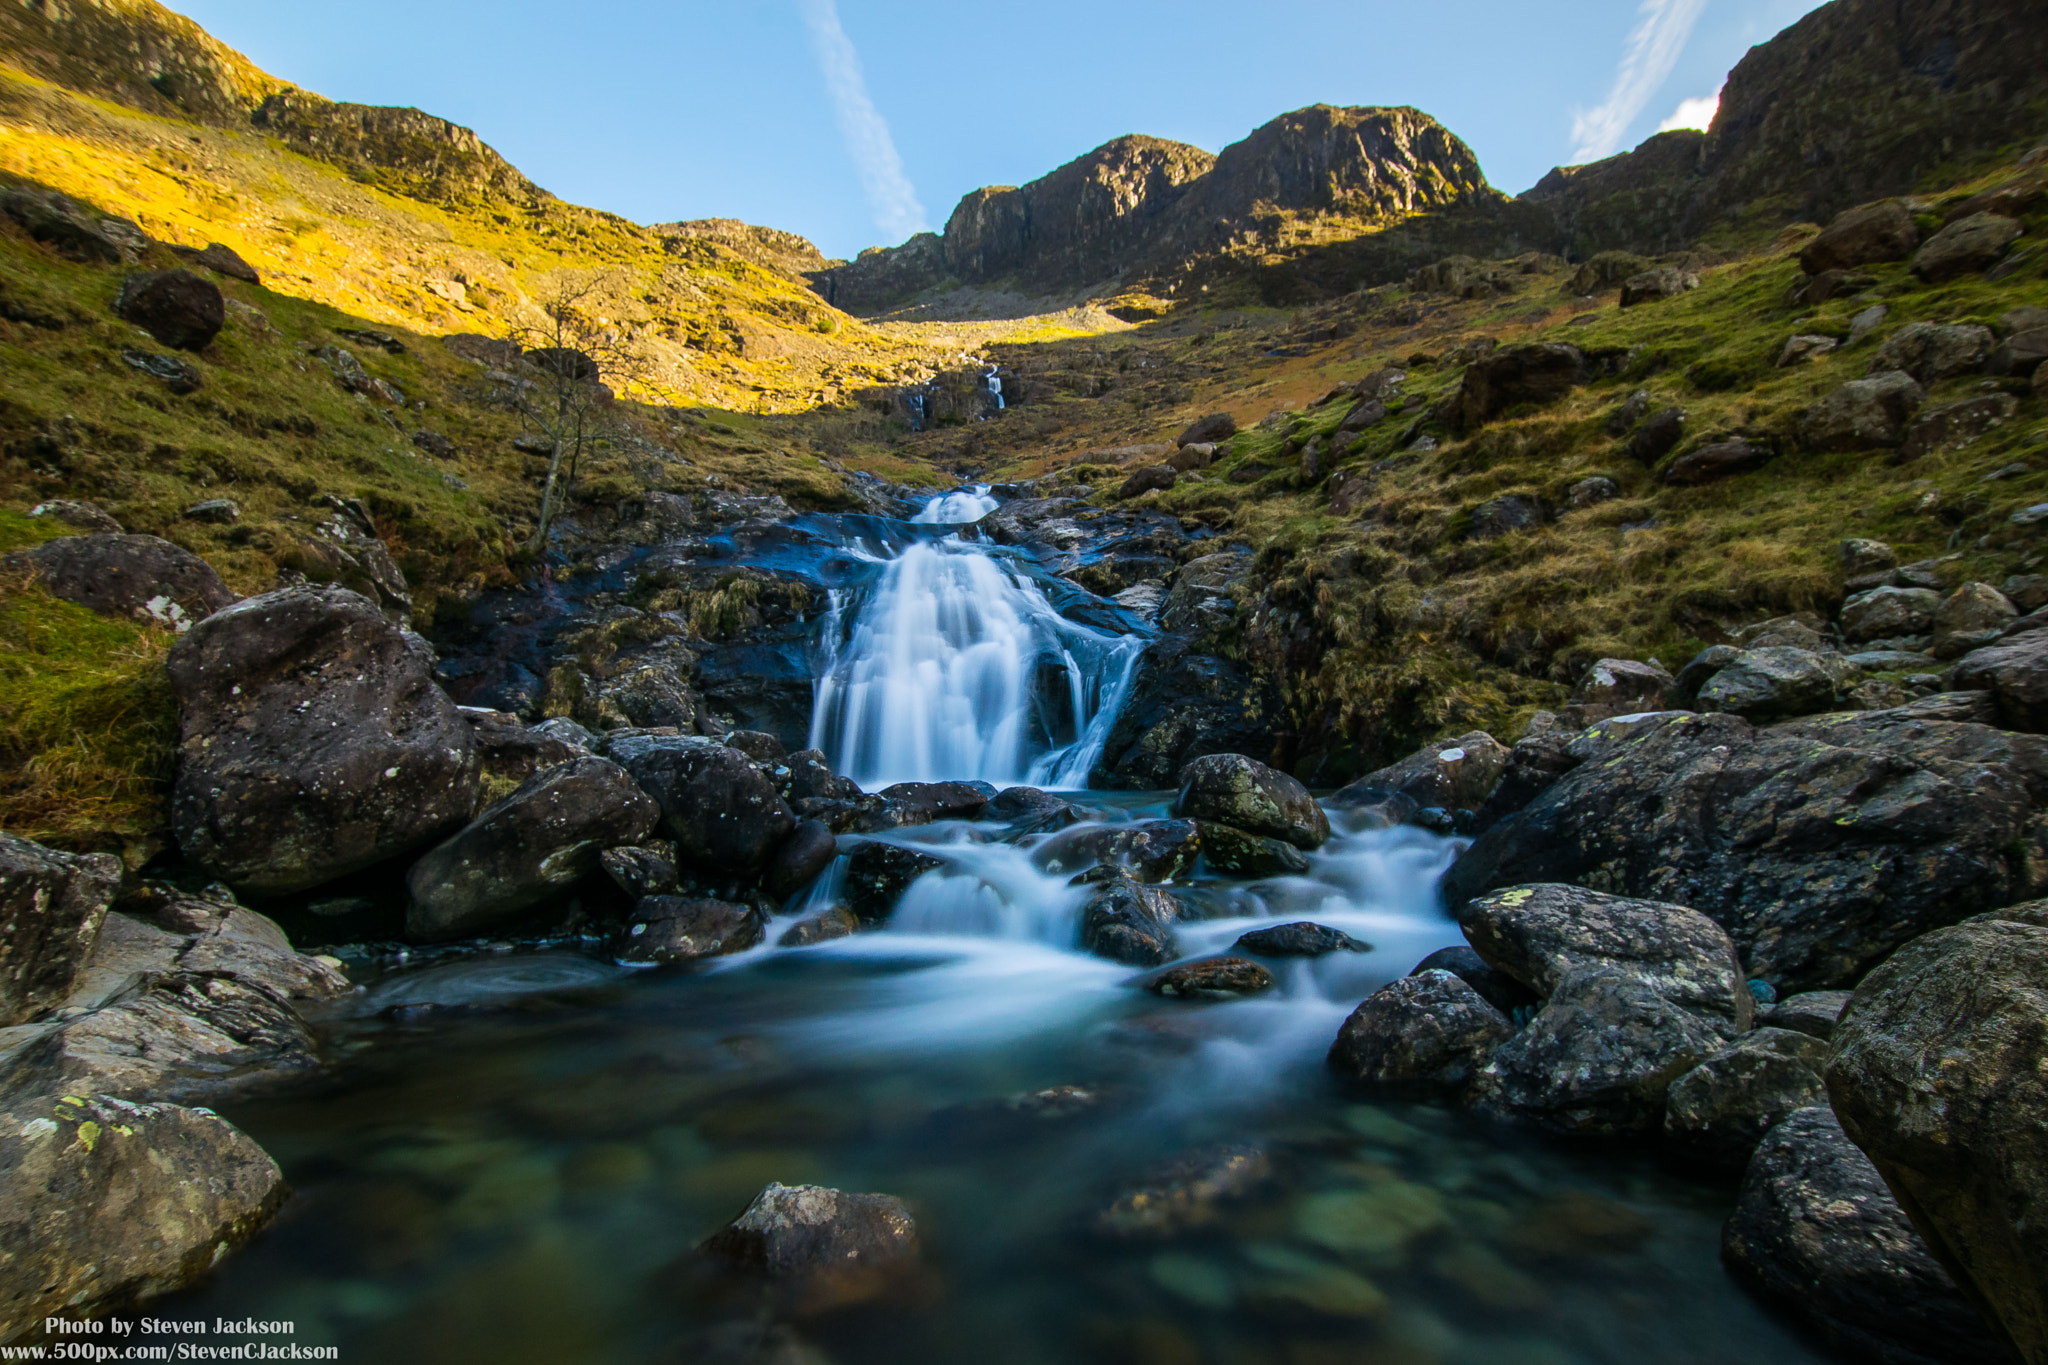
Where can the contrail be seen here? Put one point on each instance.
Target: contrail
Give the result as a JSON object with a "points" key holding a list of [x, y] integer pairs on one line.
{"points": [[1653, 49], [891, 197]]}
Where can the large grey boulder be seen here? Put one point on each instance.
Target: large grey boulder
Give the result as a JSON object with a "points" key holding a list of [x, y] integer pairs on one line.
{"points": [[1513, 375], [1240, 791], [143, 578], [1864, 414], [1717, 1113], [1428, 1034], [537, 842], [107, 1203], [1931, 352], [1939, 1070], [1888, 613], [1619, 687], [1864, 235], [2015, 672], [1972, 616], [1775, 682], [1816, 1232], [1820, 844], [726, 817], [1451, 774], [1968, 244], [1955, 425], [315, 742], [51, 907]]}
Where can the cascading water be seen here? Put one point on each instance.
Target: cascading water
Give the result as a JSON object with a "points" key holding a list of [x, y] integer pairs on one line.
{"points": [[956, 666], [993, 382]]}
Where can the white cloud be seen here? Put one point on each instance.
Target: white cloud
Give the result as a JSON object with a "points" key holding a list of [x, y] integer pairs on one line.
{"points": [[1697, 113], [1653, 49], [891, 197]]}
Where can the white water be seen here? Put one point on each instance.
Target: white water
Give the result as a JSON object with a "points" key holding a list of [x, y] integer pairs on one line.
{"points": [[957, 667]]}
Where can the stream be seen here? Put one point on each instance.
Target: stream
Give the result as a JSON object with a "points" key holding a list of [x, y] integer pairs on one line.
{"points": [[518, 1152]]}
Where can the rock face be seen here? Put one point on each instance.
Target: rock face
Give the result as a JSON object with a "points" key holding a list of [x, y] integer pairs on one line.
{"points": [[1865, 235], [51, 908], [141, 577], [1234, 790], [1717, 1113], [1816, 1231], [726, 818], [1820, 844], [176, 307], [1514, 375], [1939, 1070], [535, 843], [314, 742], [105, 1203], [837, 1248], [1427, 1034]]}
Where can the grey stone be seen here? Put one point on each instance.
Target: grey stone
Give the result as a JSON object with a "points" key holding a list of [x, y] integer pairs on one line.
{"points": [[1773, 683], [672, 930], [1429, 1034], [1885, 613], [1864, 414], [51, 907], [1234, 790], [1931, 352], [1128, 921], [1966, 245], [1810, 1012], [1717, 1113], [143, 578], [1974, 615]]}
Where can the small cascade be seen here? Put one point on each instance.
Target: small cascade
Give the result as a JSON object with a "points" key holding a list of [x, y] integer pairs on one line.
{"points": [[993, 382], [954, 665]]}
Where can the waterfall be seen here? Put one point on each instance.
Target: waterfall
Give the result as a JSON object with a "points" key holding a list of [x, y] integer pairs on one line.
{"points": [[954, 665], [993, 382]]}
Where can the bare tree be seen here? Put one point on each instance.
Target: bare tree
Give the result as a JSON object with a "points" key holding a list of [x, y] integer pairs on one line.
{"points": [[562, 397]]}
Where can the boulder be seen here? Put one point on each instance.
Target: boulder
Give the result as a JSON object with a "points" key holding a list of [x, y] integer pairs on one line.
{"points": [[1889, 613], [1773, 683], [1974, 615], [1863, 414], [1200, 455], [670, 930], [1216, 428], [1028, 810], [1939, 1071], [178, 308], [642, 870], [1540, 934], [1968, 244], [1235, 853], [1716, 1114], [2015, 672], [726, 817], [1866, 322], [1721, 460], [1820, 844], [1816, 1232], [2028, 592], [108, 1203], [87, 516], [1597, 1059], [70, 228], [315, 742], [1301, 939], [1498, 517], [51, 907], [1665, 282], [764, 748], [1657, 437], [877, 875], [1152, 850], [532, 845], [921, 803], [836, 923], [1496, 987], [1234, 790], [1450, 774], [1931, 352], [512, 751], [1152, 477], [1618, 687], [1367, 412], [143, 578], [1184, 704], [1514, 375], [1428, 1035], [1812, 1013], [1952, 426], [1128, 921], [1212, 978], [1591, 492], [808, 851], [832, 1248], [1864, 235]]}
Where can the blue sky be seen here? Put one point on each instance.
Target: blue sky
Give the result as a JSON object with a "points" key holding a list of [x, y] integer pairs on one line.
{"points": [[855, 121]]}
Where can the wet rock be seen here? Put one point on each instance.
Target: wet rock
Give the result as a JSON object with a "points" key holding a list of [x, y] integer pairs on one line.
{"points": [[143, 578], [1820, 844], [808, 851], [1152, 478], [1816, 1232], [107, 1203], [1952, 426], [2015, 672], [1028, 810], [314, 742], [1376, 1221], [1213, 978], [1597, 1059], [1515, 375], [1968, 244], [1184, 705], [1864, 235], [1234, 790], [1216, 428], [1939, 1070], [1452, 774], [1151, 850], [176, 307], [51, 907], [534, 844], [810, 776], [1931, 352], [1717, 1113], [921, 803], [641, 870], [1864, 414], [835, 1248], [670, 930], [1538, 934], [1496, 987], [1502, 516], [1974, 615], [726, 818], [511, 750], [1300, 939], [1428, 1034], [1889, 614], [1773, 683], [1812, 1013], [758, 745], [877, 875], [1665, 282], [1235, 853], [1657, 437], [838, 922], [1128, 921], [1188, 1193], [1723, 459]]}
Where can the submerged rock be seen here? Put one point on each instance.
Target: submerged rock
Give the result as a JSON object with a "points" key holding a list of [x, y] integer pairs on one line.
{"points": [[834, 1248], [1300, 939], [1243, 792], [1151, 850], [838, 922], [1428, 1034], [1190, 1192]]}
